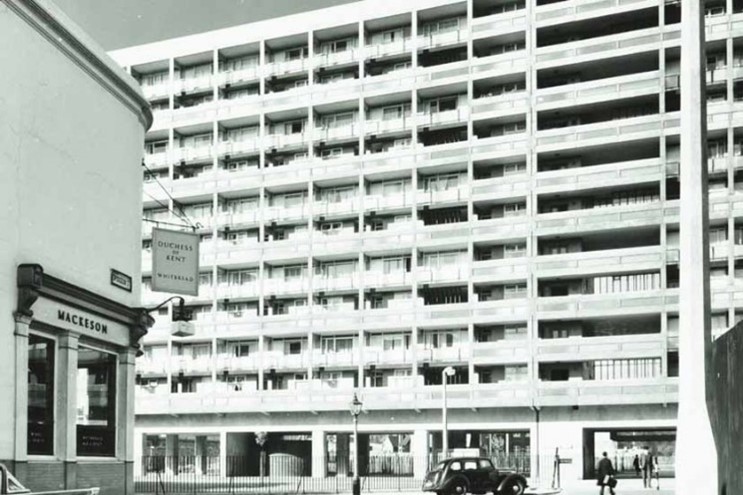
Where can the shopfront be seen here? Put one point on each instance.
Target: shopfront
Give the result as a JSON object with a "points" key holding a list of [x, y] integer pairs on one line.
{"points": [[75, 354]]}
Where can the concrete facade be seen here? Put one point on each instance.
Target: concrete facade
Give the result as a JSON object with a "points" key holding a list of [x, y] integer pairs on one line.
{"points": [[384, 190], [69, 155]]}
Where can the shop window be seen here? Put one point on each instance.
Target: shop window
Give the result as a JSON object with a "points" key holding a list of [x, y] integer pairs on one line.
{"points": [[96, 403], [40, 396]]}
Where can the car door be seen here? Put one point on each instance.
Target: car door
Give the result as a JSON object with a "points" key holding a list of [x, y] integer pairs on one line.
{"points": [[489, 475], [473, 474]]}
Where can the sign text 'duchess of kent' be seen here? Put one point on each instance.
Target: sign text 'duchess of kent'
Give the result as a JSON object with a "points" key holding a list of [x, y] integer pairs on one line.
{"points": [[175, 262]]}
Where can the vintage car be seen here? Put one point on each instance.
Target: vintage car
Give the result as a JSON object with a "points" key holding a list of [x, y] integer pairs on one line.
{"points": [[9, 485], [458, 476]]}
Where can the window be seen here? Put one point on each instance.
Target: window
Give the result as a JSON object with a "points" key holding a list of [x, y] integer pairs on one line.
{"points": [[156, 147], [295, 127], [470, 465], [485, 464], [443, 104], [455, 466], [396, 112], [392, 36], [295, 53], [292, 272], [294, 347], [40, 440], [96, 403]]}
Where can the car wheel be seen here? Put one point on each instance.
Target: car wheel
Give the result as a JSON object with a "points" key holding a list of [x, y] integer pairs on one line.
{"points": [[459, 488], [513, 487]]}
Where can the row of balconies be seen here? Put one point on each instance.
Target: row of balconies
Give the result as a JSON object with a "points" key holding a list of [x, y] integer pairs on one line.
{"points": [[479, 353], [407, 312], [321, 397]]}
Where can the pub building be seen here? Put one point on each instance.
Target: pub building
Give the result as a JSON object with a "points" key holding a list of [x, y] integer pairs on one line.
{"points": [[71, 136]]}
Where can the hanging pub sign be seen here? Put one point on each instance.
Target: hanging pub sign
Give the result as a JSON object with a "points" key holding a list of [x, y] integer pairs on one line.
{"points": [[175, 262]]}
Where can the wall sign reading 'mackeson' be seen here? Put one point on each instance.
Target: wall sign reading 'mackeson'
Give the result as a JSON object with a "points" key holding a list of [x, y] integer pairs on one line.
{"points": [[82, 321]]}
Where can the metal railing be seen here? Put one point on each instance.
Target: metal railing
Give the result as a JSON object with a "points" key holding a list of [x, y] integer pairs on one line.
{"points": [[283, 474]]}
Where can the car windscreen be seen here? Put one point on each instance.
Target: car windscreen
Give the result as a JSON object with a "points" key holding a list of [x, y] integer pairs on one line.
{"points": [[440, 466]]}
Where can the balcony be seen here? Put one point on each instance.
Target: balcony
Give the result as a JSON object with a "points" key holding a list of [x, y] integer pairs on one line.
{"points": [[279, 360], [501, 352], [613, 88], [294, 246], [156, 160], [596, 305], [345, 281], [279, 141], [192, 154], [453, 354], [237, 218], [510, 186], [237, 291], [335, 359], [611, 174], [506, 269], [588, 393], [337, 132], [636, 259], [156, 91], [595, 348], [286, 212], [151, 367], [454, 272], [611, 217], [238, 363], [377, 355], [299, 285], [488, 107], [380, 279], [608, 131], [239, 147], [238, 251], [341, 206], [384, 126], [331, 59], [187, 365], [380, 202], [448, 117], [497, 24], [238, 76], [453, 194], [287, 67], [444, 38], [193, 84], [572, 10], [379, 50], [604, 47]]}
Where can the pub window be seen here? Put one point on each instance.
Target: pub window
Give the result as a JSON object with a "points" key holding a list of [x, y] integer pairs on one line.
{"points": [[96, 403], [40, 396]]}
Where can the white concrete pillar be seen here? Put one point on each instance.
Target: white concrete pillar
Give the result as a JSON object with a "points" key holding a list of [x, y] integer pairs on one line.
{"points": [[419, 449], [696, 456], [223, 454], [319, 463]]}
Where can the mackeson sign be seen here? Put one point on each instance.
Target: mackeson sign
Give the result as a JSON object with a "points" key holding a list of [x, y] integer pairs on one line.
{"points": [[175, 262]]}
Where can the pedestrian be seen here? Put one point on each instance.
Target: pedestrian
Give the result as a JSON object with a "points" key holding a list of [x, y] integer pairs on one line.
{"points": [[605, 474], [645, 465], [636, 465], [655, 465]]}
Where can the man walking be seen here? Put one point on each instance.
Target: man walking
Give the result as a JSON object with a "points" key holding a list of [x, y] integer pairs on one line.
{"points": [[645, 464], [605, 474]]}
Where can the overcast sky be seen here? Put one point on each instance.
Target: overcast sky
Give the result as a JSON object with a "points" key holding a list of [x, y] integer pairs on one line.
{"points": [[120, 23]]}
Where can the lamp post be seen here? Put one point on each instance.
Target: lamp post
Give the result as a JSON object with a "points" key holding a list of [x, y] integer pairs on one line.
{"points": [[355, 408], [445, 374]]}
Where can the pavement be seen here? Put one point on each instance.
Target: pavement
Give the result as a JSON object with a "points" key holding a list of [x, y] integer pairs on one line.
{"points": [[624, 487]]}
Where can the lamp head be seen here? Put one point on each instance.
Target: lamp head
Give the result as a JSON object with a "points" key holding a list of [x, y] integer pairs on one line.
{"points": [[355, 406], [449, 371]]}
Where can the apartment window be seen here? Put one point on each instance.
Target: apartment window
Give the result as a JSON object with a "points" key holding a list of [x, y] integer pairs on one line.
{"points": [[338, 46], [154, 79], [241, 349], [717, 149], [402, 65], [392, 36], [331, 152], [292, 272], [96, 403], [718, 236], [338, 120], [514, 291], [514, 209], [155, 147], [443, 104], [396, 112], [441, 26], [41, 362], [240, 63], [338, 194], [514, 250], [624, 369], [295, 53], [294, 127], [294, 199], [395, 265], [330, 227], [442, 182], [392, 188], [395, 343], [514, 168], [337, 344], [293, 347]]}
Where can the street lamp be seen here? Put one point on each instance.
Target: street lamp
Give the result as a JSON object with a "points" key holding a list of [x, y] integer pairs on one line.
{"points": [[445, 374], [355, 408]]}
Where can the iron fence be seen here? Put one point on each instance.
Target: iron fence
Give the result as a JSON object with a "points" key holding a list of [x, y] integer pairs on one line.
{"points": [[289, 474]]}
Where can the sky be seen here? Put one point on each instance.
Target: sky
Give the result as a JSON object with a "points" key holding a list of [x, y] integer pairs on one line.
{"points": [[121, 23]]}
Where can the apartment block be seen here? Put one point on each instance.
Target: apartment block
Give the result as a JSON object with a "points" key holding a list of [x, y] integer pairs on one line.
{"points": [[387, 189]]}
